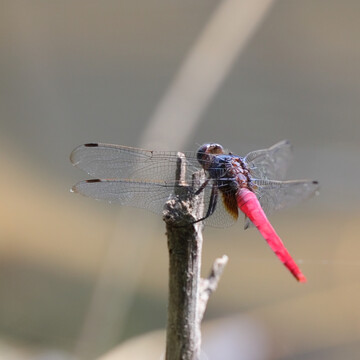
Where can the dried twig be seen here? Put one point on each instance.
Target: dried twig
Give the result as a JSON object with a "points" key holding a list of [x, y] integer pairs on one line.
{"points": [[209, 285], [188, 294]]}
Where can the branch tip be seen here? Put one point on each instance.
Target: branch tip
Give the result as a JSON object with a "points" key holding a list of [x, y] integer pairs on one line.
{"points": [[209, 285]]}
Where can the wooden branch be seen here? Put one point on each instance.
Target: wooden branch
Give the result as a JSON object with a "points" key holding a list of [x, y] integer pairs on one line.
{"points": [[188, 294], [209, 285]]}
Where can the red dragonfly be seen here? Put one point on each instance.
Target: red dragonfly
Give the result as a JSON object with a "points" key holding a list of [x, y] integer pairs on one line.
{"points": [[254, 183]]}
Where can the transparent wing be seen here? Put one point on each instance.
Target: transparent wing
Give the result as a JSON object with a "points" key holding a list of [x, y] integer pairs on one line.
{"points": [[270, 163], [149, 195], [275, 195], [115, 161], [146, 195], [139, 178]]}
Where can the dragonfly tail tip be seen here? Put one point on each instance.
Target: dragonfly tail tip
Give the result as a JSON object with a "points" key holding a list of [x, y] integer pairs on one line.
{"points": [[301, 278]]}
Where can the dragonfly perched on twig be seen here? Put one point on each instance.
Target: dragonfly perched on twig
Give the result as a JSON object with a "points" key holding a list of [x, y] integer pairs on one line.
{"points": [[253, 184]]}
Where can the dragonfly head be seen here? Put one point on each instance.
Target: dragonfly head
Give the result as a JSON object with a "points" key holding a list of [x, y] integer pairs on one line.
{"points": [[205, 153]]}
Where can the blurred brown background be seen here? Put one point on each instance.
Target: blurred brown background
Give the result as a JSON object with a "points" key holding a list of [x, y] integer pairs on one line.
{"points": [[78, 277]]}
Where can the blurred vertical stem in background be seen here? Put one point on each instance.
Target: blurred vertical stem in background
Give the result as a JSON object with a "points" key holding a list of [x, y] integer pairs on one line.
{"points": [[203, 71]]}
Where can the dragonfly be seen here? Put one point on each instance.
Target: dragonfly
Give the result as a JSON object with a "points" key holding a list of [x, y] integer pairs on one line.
{"points": [[254, 185]]}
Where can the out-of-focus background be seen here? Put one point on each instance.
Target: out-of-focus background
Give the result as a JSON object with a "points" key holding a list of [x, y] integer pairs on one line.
{"points": [[77, 276]]}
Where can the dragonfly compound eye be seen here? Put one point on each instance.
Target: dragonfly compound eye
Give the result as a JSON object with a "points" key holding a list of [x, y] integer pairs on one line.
{"points": [[202, 155], [205, 152]]}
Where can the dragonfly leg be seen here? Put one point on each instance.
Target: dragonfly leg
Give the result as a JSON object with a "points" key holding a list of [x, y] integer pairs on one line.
{"points": [[202, 187], [212, 203]]}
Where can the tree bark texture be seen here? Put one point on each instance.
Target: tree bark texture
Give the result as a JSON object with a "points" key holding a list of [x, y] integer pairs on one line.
{"points": [[188, 294]]}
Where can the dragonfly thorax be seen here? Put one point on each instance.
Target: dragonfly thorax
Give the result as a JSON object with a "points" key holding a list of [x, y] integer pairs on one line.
{"points": [[229, 172]]}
